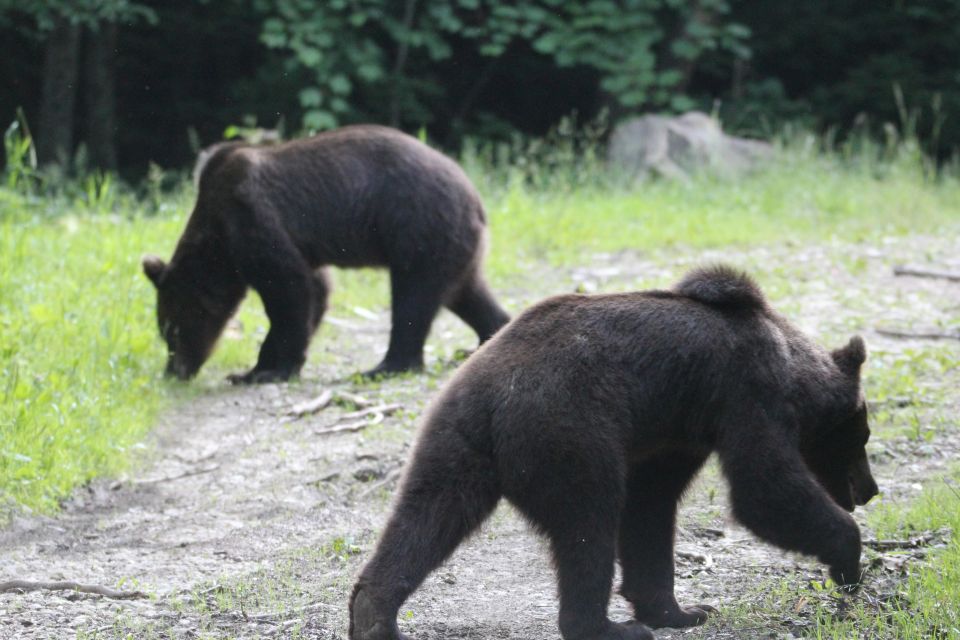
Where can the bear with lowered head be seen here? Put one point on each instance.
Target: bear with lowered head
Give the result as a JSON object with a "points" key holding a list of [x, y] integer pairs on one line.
{"points": [[272, 217], [591, 414]]}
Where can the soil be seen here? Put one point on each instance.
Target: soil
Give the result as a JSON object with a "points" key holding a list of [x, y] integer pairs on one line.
{"points": [[244, 522]]}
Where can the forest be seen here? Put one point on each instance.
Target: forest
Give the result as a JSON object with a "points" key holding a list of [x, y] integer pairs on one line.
{"points": [[120, 84]]}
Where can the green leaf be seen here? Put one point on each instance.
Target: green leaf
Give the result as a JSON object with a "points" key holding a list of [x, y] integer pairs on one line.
{"points": [[319, 120], [340, 84], [370, 71], [310, 97], [309, 56]]}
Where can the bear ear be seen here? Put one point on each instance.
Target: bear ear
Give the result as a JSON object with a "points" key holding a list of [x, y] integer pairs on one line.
{"points": [[850, 358], [155, 268]]}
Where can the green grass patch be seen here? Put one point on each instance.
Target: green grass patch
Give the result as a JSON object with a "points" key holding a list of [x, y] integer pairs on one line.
{"points": [[923, 604], [801, 196], [79, 382]]}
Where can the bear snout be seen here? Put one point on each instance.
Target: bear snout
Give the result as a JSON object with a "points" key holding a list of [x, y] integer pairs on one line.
{"points": [[862, 483], [864, 492]]}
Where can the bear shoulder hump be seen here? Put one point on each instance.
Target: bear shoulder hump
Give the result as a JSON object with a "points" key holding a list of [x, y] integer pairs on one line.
{"points": [[722, 286]]}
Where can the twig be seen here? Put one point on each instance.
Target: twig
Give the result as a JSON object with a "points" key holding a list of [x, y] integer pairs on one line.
{"points": [[893, 545], [311, 406], [185, 474], [106, 592], [378, 413], [359, 425], [365, 313], [925, 335], [392, 476], [358, 400], [346, 324], [385, 409], [917, 272]]}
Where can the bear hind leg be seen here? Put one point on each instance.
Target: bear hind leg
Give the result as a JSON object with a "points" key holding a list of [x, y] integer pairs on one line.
{"points": [[321, 293], [447, 493], [475, 305], [415, 299]]}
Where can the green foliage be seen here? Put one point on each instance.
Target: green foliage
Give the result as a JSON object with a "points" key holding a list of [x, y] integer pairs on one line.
{"points": [[20, 155], [368, 44], [836, 63], [89, 13]]}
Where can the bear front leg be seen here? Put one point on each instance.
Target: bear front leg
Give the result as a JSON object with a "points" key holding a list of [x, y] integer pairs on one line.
{"points": [[654, 488], [289, 300], [776, 496]]}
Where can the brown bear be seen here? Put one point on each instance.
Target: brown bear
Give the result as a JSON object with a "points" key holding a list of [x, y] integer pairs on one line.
{"points": [[591, 414], [272, 217]]}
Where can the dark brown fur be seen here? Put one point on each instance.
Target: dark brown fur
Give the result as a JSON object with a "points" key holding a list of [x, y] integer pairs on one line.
{"points": [[591, 414], [272, 217]]}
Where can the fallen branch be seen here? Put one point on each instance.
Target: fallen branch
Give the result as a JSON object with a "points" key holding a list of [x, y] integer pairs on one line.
{"points": [[893, 545], [311, 406], [378, 413], [359, 425], [392, 476], [365, 313], [385, 409], [917, 272], [106, 592], [358, 400], [185, 474], [923, 335]]}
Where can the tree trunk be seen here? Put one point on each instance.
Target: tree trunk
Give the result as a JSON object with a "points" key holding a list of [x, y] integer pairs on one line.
{"points": [[59, 93], [100, 96], [403, 48], [686, 66]]}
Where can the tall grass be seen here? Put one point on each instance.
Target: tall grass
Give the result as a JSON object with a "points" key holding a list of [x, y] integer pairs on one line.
{"points": [[806, 193]]}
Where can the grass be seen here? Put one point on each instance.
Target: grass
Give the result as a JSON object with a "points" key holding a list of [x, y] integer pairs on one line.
{"points": [[919, 605], [80, 359]]}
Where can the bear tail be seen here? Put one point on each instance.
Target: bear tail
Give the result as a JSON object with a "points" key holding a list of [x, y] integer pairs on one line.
{"points": [[722, 286]]}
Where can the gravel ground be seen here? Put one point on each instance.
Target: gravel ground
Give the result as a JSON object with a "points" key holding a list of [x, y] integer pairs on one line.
{"points": [[245, 523]]}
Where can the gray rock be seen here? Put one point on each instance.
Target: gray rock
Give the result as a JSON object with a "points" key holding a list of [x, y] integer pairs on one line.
{"points": [[675, 147]]}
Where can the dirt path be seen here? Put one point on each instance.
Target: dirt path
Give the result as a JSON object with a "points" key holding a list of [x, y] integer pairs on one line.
{"points": [[248, 524]]}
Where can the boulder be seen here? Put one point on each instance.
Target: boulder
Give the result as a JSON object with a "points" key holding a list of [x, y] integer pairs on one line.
{"points": [[676, 147]]}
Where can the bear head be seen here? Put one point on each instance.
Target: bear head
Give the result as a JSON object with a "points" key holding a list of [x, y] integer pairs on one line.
{"points": [[192, 310], [838, 455]]}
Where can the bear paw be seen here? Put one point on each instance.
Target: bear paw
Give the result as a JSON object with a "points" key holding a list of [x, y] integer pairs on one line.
{"points": [[261, 376], [367, 621], [632, 630], [677, 617]]}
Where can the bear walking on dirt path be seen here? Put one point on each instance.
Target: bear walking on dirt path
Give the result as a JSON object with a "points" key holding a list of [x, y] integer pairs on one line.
{"points": [[591, 414], [272, 217]]}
